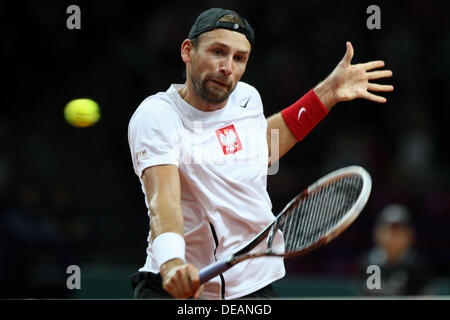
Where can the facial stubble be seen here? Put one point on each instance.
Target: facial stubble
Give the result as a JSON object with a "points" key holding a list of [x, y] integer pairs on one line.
{"points": [[201, 87]]}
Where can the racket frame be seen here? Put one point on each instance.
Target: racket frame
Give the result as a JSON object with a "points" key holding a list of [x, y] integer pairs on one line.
{"points": [[221, 266]]}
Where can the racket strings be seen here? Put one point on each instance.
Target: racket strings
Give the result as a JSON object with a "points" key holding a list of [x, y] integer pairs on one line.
{"points": [[313, 216]]}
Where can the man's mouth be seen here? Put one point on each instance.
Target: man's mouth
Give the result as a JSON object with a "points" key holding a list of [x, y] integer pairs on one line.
{"points": [[220, 83]]}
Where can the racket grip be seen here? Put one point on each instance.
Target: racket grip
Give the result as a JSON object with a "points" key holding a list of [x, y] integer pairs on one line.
{"points": [[213, 270]]}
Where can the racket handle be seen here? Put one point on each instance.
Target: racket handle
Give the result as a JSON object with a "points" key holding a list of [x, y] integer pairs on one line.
{"points": [[213, 270]]}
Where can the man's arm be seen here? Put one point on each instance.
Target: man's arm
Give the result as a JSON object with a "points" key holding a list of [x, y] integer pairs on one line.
{"points": [[286, 140], [346, 82], [162, 188]]}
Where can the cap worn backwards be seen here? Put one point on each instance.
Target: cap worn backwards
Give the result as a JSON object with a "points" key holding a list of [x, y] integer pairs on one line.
{"points": [[211, 19]]}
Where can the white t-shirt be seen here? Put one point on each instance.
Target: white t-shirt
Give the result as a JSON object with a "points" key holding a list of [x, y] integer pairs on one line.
{"points": [[222, 157]]}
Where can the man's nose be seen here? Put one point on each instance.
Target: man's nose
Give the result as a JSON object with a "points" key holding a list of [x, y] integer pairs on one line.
{"points": [[226, 66]]}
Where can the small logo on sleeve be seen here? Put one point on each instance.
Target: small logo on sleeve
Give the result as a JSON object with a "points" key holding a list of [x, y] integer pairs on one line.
{"points": [[142, 154], [229, 140]]}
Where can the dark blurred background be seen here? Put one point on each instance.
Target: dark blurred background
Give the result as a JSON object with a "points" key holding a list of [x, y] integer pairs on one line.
{"points": [[69, 195]]}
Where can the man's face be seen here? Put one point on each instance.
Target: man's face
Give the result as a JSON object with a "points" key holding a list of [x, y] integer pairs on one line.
{"points": [[394, 238], [218, 64]]}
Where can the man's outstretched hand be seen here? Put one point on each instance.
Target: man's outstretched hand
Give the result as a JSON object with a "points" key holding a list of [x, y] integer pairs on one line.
{"points": [[351, 81]]}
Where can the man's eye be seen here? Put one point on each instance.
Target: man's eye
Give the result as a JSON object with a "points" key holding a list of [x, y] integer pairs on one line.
{"points": [[239, 58], [217, 51]]}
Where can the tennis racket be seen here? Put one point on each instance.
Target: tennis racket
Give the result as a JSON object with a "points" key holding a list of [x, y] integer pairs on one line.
{"points": [[311, 219]]}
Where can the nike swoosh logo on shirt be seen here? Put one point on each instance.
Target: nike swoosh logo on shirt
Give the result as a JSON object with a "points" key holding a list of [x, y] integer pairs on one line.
{"points": [[245, 105], [300, 112]]}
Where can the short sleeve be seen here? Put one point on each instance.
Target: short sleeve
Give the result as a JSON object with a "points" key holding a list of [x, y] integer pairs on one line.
{"points": [[255, 102], [259, 103], [154, 135]]}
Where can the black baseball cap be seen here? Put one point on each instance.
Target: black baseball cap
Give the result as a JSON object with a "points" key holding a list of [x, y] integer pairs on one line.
{"points": [[210, 19]]}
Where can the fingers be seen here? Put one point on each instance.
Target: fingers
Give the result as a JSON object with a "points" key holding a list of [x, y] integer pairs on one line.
{"points": [[183, 282], [380, 87], [198, 292], [348, 54], [379, 74], [194, 277], [352, 81], [374, 98], [375, 86], [174, 284], [372, 65]]}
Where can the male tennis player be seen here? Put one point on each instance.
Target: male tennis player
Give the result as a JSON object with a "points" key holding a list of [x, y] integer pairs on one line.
{"points": [[201, 151]]}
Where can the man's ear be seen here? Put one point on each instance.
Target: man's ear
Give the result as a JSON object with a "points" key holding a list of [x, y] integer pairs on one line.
{"points": [[186, 51]]}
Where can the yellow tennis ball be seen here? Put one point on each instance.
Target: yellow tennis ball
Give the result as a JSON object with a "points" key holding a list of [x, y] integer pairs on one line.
{"points": [[82, 112]]}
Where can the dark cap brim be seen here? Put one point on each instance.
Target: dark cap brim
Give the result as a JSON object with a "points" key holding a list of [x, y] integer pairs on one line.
{"points": [[210, 19]]}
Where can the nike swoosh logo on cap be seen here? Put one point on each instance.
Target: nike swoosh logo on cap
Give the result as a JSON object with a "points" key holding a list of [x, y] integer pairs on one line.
{"points": [[300, 112], [245, 105]]}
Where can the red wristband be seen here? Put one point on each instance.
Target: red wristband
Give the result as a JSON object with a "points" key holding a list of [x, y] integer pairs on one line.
{"points": [[304, 115]]}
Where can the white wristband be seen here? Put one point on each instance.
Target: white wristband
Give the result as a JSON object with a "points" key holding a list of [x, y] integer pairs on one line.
{"points": [[168, 246]]}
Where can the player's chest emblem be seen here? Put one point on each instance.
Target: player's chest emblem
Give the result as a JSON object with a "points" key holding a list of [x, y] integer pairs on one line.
{"points": [[229, 139]]}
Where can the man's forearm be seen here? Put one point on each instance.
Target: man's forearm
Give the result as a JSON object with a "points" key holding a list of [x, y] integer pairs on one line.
{"points": [[326, 94], [162, 189], [296, 121], [165, 216], [286, 139]]}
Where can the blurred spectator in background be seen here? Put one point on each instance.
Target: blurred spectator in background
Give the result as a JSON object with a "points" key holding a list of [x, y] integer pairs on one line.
{"points": [[403, 270], [34, 252]]}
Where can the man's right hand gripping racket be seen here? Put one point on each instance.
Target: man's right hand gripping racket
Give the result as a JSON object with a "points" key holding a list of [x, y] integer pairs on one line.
{"points": [[313, 218]]}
